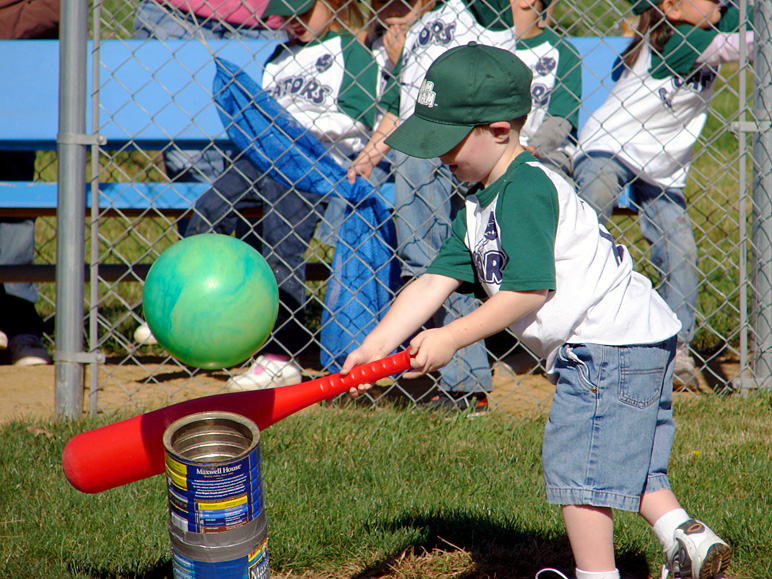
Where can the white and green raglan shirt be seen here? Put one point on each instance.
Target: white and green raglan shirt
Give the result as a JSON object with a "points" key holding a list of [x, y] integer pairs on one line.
{"points": [[530, 231], [556, 90], [450, 24], [656, 111], [330, 87]]}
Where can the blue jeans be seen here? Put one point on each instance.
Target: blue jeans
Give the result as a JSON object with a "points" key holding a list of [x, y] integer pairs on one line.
{"points": [[664, 223], [282, 236], [164, 22], [423, 211], [17, 247], [610, 428], [17, 300]]}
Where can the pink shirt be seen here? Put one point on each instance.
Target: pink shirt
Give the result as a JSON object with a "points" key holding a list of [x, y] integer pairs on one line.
{"points": [[236, 12]]}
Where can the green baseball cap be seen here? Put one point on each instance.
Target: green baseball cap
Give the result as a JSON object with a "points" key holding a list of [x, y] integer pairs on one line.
{"points": [[287, 7], [466, 86], [641, 6]]}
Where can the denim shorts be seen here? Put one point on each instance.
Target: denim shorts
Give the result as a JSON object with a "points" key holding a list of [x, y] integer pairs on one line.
{"points": [[610, 428]]}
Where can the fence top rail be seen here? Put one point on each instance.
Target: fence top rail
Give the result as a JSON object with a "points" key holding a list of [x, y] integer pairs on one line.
{"points": [[154, 92]]}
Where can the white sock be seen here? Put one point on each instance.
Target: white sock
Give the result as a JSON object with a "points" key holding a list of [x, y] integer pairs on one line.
{"points": [[597, 574], [665, 527]]}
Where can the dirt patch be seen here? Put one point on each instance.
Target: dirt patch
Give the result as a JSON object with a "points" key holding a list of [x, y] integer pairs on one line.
{"points": [[520, 389]]}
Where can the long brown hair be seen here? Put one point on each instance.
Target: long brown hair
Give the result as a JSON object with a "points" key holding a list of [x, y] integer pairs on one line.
{"points": [[653, 28], [348, 16]]}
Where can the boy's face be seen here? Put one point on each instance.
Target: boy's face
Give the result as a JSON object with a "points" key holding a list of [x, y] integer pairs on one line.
{"points": [[312, 24], [474, 158], [699, 13], [526, 15]]}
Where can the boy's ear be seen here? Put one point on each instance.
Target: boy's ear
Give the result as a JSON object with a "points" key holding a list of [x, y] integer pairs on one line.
{"points": [[670, 8], [500, 130]]}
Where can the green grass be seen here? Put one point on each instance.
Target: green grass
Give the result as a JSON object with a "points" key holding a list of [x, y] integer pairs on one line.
{"points": [[355, 493]]}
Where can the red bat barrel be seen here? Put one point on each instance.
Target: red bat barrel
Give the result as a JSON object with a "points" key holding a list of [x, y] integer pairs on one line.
{"points": [[132, 449]]}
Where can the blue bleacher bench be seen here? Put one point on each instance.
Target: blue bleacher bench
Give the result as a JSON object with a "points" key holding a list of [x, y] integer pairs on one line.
{"points": [[153, 94]]}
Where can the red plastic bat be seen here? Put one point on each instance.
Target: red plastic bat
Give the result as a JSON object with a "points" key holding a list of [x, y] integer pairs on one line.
{"points": [[133, 449]]}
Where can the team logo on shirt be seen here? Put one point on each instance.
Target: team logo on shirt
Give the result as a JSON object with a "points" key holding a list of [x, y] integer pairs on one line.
{"points": [[697, 82], [426, 94], [324, 62], [307, 88], [545, 66], [489, 263], [437, 32], [491, 231], [540, 95]]}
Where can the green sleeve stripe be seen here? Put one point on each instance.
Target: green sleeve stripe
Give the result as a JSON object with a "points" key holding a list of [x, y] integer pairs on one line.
{"points": [[529, 206], [687, 44], [529, 286], [360, 81], [566, 99], [491, 14], [390, 98]]}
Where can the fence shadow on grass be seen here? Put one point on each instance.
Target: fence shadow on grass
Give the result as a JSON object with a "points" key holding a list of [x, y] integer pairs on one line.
{"points": [[500, 551]]}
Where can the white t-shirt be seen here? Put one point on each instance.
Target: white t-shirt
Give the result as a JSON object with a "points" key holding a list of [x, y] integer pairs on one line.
{"points": [[330, 87], [656, 111], [529, 231]]}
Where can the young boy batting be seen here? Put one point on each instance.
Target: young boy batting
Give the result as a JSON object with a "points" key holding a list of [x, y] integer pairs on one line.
{"points": [[553, 275]]}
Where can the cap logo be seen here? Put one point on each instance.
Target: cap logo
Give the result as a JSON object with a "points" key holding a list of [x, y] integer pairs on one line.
{"points": [[426, 95]]}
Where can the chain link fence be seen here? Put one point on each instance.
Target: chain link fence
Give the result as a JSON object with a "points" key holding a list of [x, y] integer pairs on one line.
{"points": [[296, 231]]}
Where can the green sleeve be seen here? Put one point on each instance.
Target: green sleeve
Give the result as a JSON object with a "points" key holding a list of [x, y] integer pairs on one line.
{"points": [[566, 99], [390, 98], [360, 82], [688, 43], [529, 208], [491, 14]]}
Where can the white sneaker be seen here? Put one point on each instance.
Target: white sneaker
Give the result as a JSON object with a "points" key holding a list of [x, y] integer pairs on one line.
{"points": [[685, 371], [28, 350], [550, 570], [3, 340], [268, 371], [698, 552], [143, 336]]}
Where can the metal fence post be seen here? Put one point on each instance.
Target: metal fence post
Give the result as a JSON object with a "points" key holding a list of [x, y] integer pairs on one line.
{"points": [[762, 196], [71, 150]]}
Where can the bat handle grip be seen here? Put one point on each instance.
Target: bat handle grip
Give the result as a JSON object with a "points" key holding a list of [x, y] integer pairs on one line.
{"points": [[368, 373], [335, 384]]}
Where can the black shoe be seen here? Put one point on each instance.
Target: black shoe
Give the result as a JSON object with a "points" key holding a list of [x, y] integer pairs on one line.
{"points": [[474, 402]]}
